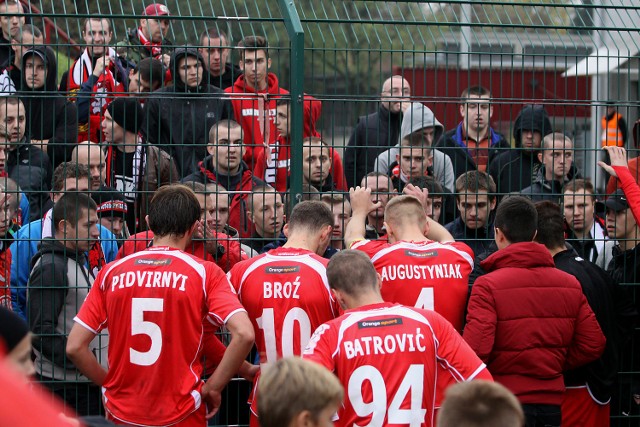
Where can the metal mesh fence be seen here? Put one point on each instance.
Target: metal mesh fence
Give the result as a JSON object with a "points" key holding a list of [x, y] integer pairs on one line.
{"points": [[525, 93]]}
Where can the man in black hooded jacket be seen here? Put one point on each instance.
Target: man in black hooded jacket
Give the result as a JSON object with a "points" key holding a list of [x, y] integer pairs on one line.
{"points": [[178, 117], [515, 169], [52, 121]]}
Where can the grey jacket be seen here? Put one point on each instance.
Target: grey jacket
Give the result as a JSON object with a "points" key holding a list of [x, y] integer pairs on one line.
{"points": [[416, 118], [58, 284]]}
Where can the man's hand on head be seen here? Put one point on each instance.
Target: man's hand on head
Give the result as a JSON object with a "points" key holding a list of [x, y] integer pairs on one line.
{"points": [[617, 156], [361, 203]]}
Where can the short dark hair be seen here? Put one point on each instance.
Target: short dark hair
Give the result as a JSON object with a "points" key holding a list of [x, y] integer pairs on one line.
{"points": [[224, 123], [517, 218], [27, 28], [283, 101], [430, 183], [580, 184], [253, 43], [474, 181], [351, 271], [68, 170], [475, 91], [310, 217], [150, 70], [70, 207], [214, 33], [173, 210], [550, 225], [85, 21]]}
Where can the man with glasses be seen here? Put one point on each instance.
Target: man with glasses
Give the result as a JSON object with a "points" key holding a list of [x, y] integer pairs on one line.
{"points": [[377, 132], [473, 144]]}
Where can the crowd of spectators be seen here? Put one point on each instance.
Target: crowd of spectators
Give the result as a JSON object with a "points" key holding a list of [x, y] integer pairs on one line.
{"points": [[132, 116]]}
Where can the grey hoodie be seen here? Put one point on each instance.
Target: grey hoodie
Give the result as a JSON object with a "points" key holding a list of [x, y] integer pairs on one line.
{"points": [[414, 119]]}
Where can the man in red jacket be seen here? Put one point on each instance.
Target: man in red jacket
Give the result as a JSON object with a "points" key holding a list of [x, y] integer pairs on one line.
{"points": [[527, 320], [254, 96]]}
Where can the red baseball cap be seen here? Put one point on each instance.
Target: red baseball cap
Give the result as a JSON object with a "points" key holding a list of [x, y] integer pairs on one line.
{"points": [[157, 9]]}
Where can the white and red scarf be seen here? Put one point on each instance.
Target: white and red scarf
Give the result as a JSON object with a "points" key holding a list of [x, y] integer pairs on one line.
{"points": [[154, 48]]}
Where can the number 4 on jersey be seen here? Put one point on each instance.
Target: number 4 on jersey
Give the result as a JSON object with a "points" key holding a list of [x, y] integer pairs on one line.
{"points": [[425, 299]]}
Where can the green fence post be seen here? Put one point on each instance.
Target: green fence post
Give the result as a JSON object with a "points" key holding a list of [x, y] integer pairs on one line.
{"points": [[296, 76]]}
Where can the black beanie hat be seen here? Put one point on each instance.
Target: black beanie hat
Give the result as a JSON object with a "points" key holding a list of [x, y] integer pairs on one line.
{"points": [[127, 113], [110, 203], [13, 328]]}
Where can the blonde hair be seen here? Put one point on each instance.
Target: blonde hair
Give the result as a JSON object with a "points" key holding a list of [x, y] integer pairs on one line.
{"points": [[403, 210], [293, 385]]}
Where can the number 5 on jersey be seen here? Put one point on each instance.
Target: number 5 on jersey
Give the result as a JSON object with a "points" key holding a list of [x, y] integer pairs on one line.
{"points": [[139, 326]]}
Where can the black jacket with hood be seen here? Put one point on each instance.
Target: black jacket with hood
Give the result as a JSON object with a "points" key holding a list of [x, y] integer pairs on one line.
{"points": [[231, 74], [178, 118], [50, 116], [516, 169], [373, 135]]}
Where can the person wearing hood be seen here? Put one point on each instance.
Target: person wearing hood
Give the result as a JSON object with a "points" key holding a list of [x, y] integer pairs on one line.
{"points": [[419, 118], [557, 169], [254, 95], [52, 120], [516, 169], [376, 132], [28, 37], [134, 167], [473, 144], [224, 165], [178, 117], [215, 50], [273, 166], [58, 284]]}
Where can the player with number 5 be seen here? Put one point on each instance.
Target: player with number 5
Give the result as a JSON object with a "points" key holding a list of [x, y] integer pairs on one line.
{"points": [[154, 303], [285, 290], [387, 356]]}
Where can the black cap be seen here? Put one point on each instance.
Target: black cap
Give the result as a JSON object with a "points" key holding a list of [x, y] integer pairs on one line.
{"points": [[617, 201], [127, 113], [110, 202]]}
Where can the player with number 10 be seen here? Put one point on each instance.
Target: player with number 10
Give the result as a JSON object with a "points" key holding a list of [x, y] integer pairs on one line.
{"points": [[285, 291]]}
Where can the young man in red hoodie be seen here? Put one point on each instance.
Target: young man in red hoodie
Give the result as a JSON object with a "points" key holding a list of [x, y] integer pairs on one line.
{"points": [[273, 164], [254, 96]]}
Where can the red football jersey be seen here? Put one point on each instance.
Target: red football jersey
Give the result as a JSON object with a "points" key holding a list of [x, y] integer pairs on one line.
{"points": [[157, 301], [287, 295], [388, 358], [429, 275]]}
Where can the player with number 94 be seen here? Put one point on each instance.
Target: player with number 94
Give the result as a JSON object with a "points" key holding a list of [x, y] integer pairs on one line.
{"points": [[387, 356]]}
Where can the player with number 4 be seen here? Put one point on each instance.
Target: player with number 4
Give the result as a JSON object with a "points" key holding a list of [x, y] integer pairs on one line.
{"points": [[285, 291], [154, 303], [421, 265], [387, 356]]}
